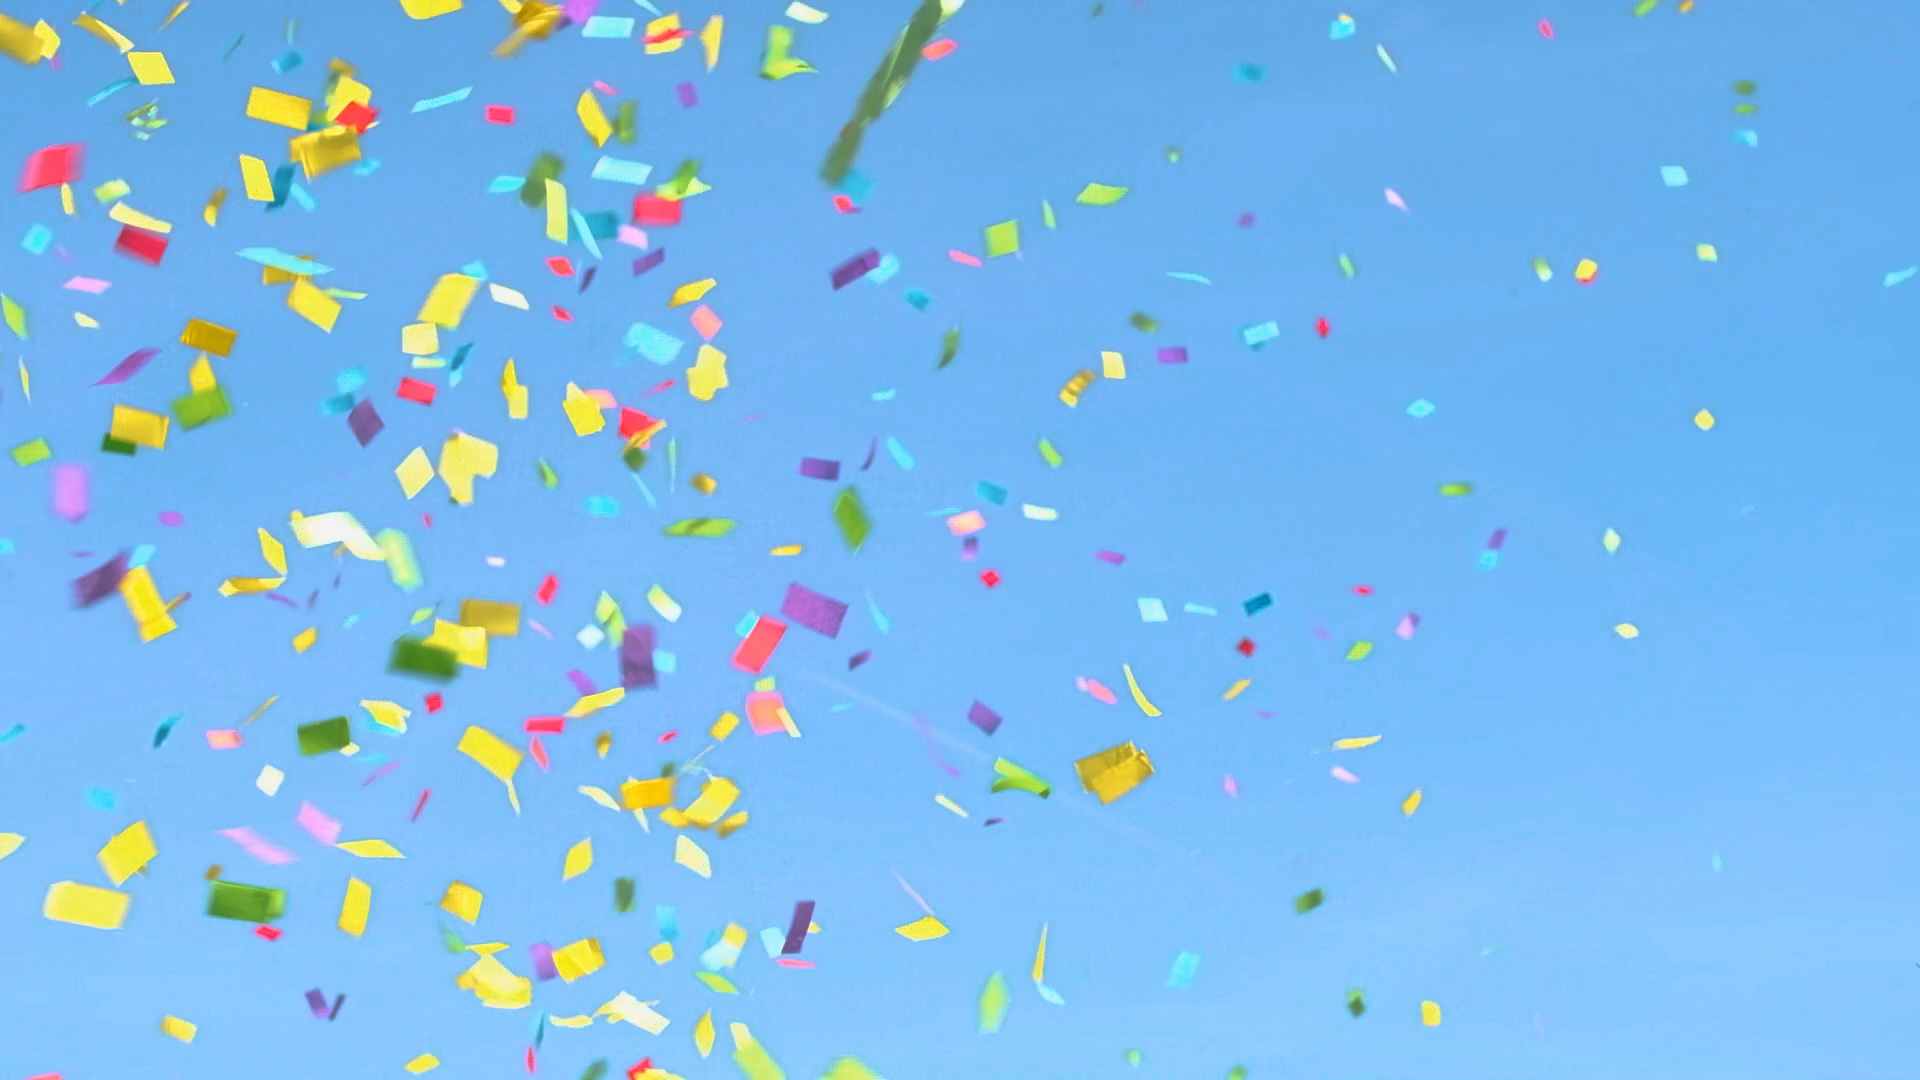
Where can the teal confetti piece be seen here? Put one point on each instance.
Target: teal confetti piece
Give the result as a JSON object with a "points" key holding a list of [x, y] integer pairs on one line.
{"points": [[1183, 275], [500, 185], [880, 619], [583, 233], [37, 238], [617, 171], [603, 506], [1185, 967], [1420, 409], [165, 729], [899, 454], [111, 89], [16, 730], [444, 99], [100, 798]]}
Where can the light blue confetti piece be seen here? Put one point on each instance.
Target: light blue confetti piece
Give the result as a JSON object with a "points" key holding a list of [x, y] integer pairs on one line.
{"points": [[1259, 334], [444, 99], [1420, 409], [37, 239], [1186, 275], [645, 491], [656, 345], [1489, 560], [773, 939], [500, 185], [883, 395], [745, 625], [603, 506], [899, 454], [856, 186], [665, 662], [607, 26], [350, 380], [879, 617], [476, 270], [106, 92], [666, 923], [673, 464], [649, 7], [13, 733], [1342, 28], [1151, 609], [1185, 967], [584, 234], [141, 556], [6, 546], [367, 167], [1746, 137], [1192, 608], [303, 197], [280, 260], [1249, 73], [919, 298], [1718, 864], [993, 493], [620, 171], [1899, 276], [100, 798], [880, 275], [1673, 176], [350, 621], [337, 405], [287, 61], [838, 706], [944, 512]]}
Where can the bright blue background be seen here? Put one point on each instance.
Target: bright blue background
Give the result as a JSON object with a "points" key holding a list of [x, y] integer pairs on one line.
{"points": [[1556, 893]]}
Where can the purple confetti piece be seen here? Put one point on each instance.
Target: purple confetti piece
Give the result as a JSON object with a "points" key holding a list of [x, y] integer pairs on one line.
{"points": [[96, 585], [970, 548], [648, 261], [337, 1002], [581, 682], [1113, 557], [586, 279], [1499, 537], [871, 448], [984, 718], [287, 600], [688, 98], [579, 11], [1172, 354], [859, 658], [819, 468], [855, 268], [543, 968], [821, 614], [636, 658], [172, 518], [365, 422], [797, 929], [70, 491], [128, 368], [317, 1003]]}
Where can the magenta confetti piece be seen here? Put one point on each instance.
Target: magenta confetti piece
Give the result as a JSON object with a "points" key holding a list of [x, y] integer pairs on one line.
{"points": [[1499, 537], [855, 268], [581, 682], [172, 518], [1173, 354], [984, 718], [1113, 557], [258, 846], [688, 97], [128, 368], [579, 11], [318, 824], [821, 614], [70, 491], [543, 968], [1408, 624], [1230, 785]]}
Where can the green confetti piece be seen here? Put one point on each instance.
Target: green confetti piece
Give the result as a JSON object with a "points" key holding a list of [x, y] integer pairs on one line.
{"points": [[16, 316], [201, 407], [623, 890], [413, 656], [1003, 239], [717, 982], [1456, 489], [1143, 322], [32, 453], [1134, 1057], [626, 122], [700, 527], [111, 445], [450, 941], [1053, 456], [533, 190], [850, 1068], [1100, 195], [949, 347], [1347, 267], [324, 736], [1238, 1072], [1360, 650], [1744, 86], [994, 999], [596, 1070], [883, 87], [754, 1060], [246, 903], [1642, 8], [1309, 900], [850, 514], [1013, 777], [1046, 213], [547, 476], [1357, 1003]]}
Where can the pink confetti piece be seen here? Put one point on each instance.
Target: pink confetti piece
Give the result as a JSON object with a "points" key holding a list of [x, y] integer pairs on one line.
{"points": [[318, 824], [1408, 624], [964, 259], [540, 629], [95, 286], [421, 805], [1343, 775], [1394, 200], [633, 237], [792, 962], [1111, 557], [257, 846], [604, 398], [604, 88], [1230, 785], [172, 518], [1546, 29], [70, 498], [705, 322], [380, 772], [1100, 693], [223, 739]]}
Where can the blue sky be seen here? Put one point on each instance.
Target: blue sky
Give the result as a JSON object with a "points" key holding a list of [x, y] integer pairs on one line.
{"points": [[1676, 855]]}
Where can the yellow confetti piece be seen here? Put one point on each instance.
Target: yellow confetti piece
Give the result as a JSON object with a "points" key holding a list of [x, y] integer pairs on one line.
{"points": [[491, 752], [925, 928], [703, 1033], [785, 550], [573, 1022], [255, 178], [708, 375], [10, 842], [304, 639], [174, 1027], [691, 291], [1703, 420], [128, 853], [150, 68], [1040, 957], [1360, 650], [370, 849], [950, 805], [510, 297], [556, 212], [599, 796], [1113, 366], [127, 215], [388, 714], [593, 118], [668, 608], [710, 41], [579, 959], [1411, 803], [692, 856], [661, 952], [1627, 630], [1585, 271], [1610, 540], [150, 613], [1139, 698], [657, 36], [423, 1063], [723, 727], [579, 860], [1355, 744], [275, 555], [104, 32], [1706, 253], [593, 703], [178, 10], [717, 982], [462, 901], [138, 427], [1430, 1013], [583, 411], [19, 41], [355, 906], [515, 394], [1235, 690], [274, 107], [414, 473], [313, 305], [429, 9], [85, 905]]}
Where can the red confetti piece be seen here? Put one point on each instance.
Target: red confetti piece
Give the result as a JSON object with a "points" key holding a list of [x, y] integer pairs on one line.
{"points": [[562, 313], [1245, 648], [417, 391], [1546, 29], [538, 752], [52, 166], [796, 962], [844, 204], [548, 586], [265, 933], [937, 49], [1363, 590], [1322, 327], [427, 520], [633, 422], [990, 578], [964, 259], [148, 247], [357, 116], [530, 1062], [667, 737], [499, 114], [641, 1069], [757, 647], [667, 385], [433, 702], [560, 265], [421, 805], [545, 725], [654, 210]]}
